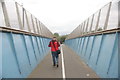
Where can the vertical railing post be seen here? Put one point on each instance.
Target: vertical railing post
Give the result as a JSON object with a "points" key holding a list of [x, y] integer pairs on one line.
{"points": [[91, 23], [87, 25], [27, 22], [19, 18], [23, 18], [37, 25], [33, 24], [96, 28], [107, 18], [7, 21]]}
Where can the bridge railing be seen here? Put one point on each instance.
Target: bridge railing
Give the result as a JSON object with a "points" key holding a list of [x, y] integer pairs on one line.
{"points": [[96, 41], [15, 16], [106, 18], [23, 40]]}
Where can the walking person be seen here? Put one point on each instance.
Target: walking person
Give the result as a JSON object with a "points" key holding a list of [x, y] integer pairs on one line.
{"points": [[54, 44]]}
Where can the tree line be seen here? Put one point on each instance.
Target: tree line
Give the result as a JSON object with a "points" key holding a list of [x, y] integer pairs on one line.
{"points": [[61, 38]]}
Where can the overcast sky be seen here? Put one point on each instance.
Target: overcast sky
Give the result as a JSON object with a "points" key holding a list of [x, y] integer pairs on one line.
{"points": [[62, 16]]}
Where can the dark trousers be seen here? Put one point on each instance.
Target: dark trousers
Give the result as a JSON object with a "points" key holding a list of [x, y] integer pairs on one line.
{"points": [[55, 57]]}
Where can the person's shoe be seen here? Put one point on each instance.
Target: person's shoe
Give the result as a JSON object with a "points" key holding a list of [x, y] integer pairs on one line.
{"points": [[57, 65]]}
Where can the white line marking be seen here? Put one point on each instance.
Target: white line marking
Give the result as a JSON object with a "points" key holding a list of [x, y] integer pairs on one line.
{"points": [[63, 67]]}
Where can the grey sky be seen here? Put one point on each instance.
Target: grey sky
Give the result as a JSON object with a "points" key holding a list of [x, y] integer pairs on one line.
{"points": [[62, 16]]}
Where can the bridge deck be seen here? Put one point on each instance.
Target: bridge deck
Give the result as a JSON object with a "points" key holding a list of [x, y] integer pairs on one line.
{"points": [[74, 67]]}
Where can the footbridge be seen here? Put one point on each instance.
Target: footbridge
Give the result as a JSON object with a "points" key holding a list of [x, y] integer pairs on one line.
{"points": [[92, 50]]}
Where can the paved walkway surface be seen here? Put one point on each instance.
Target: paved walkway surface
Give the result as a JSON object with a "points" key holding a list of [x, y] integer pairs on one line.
{"points": [[74, 67]]}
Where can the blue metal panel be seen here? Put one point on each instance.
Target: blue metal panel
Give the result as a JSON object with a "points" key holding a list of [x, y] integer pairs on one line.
{"points": [[113, 70], [81, 46], [9, 63], [45, 44], [0, 55], [95, 51], [100, 53], [89, 49], [84, 47], [40, 47], [75, 44], [36, 48], [37, 45], [21, 54], [79, 39], [42, 41], [30, 51], [105, 53], [24, 40], [119, 54], [113, 53], [42, 50]]}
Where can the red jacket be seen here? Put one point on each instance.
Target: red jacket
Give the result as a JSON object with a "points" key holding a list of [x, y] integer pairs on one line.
{"points": [[56, 44]]}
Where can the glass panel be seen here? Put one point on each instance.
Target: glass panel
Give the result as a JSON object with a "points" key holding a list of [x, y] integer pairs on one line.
{"points": [[76, 31], [38, 22], [82, 25], [43, 30], [85, 25], [2, 22], [20, 9], [30, 21], [103, 16], [113, 18], [80, 28], [95, 21], [35, 25], [89, 24], [12, 14], [40, 27], [25, 22]]}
